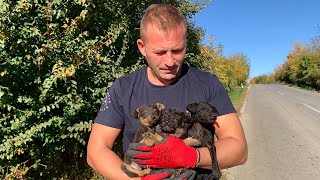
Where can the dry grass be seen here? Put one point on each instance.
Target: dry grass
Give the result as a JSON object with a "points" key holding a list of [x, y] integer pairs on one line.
{"points": [[224, 175]]}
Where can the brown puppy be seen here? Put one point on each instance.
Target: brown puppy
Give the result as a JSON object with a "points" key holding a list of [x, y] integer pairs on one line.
{"points": [[148, 117]]}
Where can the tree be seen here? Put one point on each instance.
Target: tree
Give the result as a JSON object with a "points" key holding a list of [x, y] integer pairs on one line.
{"points": [[302, 65], [232, 71], [309, 71], [57, 60], [241, 67]]}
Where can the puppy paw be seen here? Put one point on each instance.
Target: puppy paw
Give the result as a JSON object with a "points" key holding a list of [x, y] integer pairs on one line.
{"points": [[148, 142], [133, 170], [148, 139], [191, 141]]}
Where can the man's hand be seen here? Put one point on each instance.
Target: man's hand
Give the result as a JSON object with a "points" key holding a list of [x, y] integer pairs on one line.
{"points": [[188, 175], [158, 174], [172, 152], [166, 173]]}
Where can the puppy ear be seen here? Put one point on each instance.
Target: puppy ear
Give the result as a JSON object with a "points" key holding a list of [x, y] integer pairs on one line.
{"points": [[160, 106], [215, 111], [136, 113], [192, 108]]}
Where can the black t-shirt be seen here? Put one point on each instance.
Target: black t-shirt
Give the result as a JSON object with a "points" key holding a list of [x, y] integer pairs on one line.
{"points": [[134, 89]]}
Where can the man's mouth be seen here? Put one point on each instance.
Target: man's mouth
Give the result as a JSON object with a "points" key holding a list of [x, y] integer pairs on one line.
{"points": [[168, 70]]}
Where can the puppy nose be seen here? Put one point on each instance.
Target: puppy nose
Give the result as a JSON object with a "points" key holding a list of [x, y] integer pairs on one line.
{"points": [[155, 116]]}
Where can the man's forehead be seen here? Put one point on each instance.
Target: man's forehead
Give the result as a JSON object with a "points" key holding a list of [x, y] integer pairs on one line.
{"points": [[163, 28]]}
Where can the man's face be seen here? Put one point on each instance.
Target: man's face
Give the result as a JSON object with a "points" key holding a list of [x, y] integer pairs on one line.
{"points": [[165, 52]]}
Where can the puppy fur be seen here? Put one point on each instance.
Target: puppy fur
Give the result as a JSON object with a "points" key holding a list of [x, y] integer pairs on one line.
{"points": [[195, 130], [148, 117], [204, 116]]}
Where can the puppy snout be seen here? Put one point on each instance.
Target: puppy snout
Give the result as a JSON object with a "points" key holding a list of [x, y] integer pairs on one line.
{"points": [[154, 117], [167, 129]]}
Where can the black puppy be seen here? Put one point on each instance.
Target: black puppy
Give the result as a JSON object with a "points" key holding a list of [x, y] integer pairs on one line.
{"points": [[204, 116]]}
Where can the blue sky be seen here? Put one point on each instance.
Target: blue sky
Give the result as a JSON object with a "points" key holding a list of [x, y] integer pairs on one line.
{"points": [[264, 30]]}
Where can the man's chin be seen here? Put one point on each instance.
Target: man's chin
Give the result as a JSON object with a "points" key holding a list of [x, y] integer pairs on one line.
{"points": [[169, 78], [168, 75]]}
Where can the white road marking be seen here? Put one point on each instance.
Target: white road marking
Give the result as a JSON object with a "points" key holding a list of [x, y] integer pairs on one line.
{"points": [[280, 93], [311, 107]]}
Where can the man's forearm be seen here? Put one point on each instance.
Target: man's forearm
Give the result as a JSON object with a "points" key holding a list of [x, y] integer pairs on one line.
{"points": [[227, 154], [205, 158], [230, 152], [107, 164], [231, 145]]}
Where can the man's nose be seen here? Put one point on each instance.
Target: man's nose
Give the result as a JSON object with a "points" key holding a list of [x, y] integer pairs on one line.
{"points": [[169, 61]]}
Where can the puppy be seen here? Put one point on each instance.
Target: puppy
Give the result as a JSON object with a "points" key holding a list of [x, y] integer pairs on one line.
{"points": [[204, 116], [148, 117], [174, 122]]}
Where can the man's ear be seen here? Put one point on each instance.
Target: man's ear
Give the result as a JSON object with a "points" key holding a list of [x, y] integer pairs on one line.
{"points": [[141, 47]]}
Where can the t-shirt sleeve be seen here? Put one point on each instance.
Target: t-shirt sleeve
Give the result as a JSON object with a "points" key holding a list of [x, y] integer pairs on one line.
{"points": [[219, 97], [111, 112]]}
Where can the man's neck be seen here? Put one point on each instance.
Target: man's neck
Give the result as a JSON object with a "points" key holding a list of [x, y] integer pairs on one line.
{"points": [[155, 80]]}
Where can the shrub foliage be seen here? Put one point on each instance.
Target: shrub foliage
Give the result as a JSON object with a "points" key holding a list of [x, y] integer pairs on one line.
{"points": [[57, 59]]}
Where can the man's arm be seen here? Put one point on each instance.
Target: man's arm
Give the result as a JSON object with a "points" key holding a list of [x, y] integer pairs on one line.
{"points": [[100, 155], [231, 145]]}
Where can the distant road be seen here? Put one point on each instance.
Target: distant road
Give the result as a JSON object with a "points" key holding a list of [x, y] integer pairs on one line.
{"points": [[282, 126]]}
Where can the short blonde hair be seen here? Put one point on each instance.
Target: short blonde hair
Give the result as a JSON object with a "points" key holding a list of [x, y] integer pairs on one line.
{"points": [[165, 17]]}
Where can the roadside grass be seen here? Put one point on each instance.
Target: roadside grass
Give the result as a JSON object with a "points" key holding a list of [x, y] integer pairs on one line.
{"points": [[307, 88], [237, 96]]}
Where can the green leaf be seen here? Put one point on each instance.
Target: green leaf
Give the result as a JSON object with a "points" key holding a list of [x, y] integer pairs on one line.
{"points": [[48, 108], [58, 2], [43, 109], [83, 14]]}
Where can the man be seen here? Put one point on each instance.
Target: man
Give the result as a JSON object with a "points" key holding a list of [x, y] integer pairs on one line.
{"points": [[163, 32]]}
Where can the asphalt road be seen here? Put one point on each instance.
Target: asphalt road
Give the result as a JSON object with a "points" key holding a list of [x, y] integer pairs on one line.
{"points": [[282, 127]]}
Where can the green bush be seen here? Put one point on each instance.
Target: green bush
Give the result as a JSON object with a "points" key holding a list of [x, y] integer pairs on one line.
{"points": [[57, 60], [308, 73]]}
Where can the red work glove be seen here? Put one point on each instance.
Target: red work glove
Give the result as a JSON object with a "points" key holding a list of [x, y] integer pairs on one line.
{"points": [[172, 152]]}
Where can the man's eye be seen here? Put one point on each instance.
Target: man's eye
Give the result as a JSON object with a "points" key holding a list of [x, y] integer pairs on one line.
{"points": [[177, 51], [160, 53]]}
